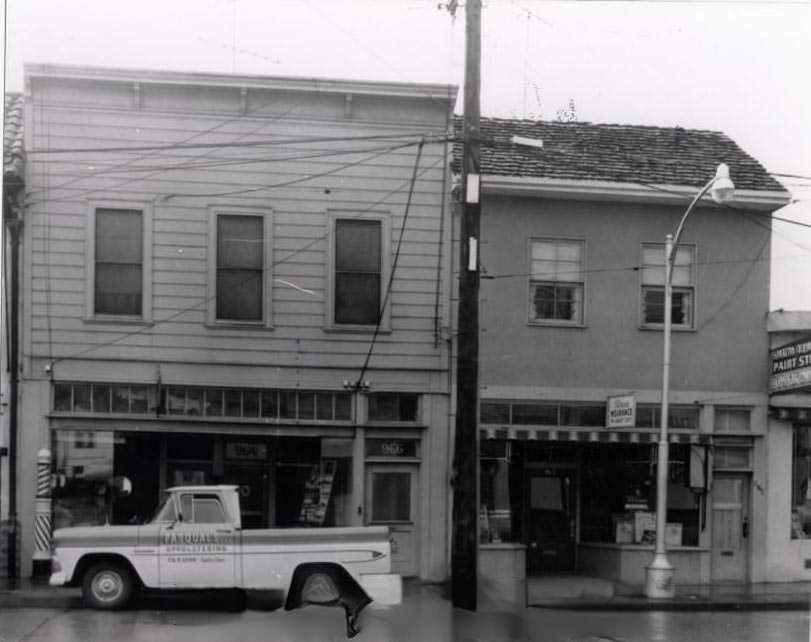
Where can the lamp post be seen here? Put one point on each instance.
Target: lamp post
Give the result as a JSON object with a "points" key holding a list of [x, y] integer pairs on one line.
{"points": [[659, 574]]}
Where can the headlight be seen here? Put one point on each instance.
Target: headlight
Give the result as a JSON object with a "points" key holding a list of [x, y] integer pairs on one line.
{"points": [[56, 567]]}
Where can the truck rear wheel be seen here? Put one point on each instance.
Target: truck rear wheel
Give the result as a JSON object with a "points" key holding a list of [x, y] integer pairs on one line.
{"points": [[107, 586]]}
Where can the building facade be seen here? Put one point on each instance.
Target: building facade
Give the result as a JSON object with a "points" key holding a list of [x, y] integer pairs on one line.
{"points": [[240, 280], [788, 527], [574, 220]]}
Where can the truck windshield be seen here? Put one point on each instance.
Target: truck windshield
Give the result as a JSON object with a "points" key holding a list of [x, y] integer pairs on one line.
{"points": [[165, 512]]}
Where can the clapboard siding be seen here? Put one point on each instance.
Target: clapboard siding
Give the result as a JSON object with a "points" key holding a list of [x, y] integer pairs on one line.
{"points": [[300, 177]]}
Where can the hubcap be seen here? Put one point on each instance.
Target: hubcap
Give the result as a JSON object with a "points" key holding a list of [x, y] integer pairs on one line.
{"points": [[107, 585]]}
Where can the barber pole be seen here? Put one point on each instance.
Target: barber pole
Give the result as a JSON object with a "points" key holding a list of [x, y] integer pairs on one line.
{"points": [[42, 524]]}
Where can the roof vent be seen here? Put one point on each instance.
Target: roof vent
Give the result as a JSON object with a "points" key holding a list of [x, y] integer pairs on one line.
{"points": [[529, 142]]}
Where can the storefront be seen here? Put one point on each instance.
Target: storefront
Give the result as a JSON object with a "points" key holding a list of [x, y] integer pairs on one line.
{"points": [[300, 458], [574, 496]]}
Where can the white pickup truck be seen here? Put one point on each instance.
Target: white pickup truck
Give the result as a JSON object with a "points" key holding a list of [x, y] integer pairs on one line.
{"points": [[195, 541]]}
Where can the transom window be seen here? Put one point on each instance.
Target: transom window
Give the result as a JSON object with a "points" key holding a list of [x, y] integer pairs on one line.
{"points": [[119, 262], [240, 267], [358, 271], [556, 281], [653, 285]]}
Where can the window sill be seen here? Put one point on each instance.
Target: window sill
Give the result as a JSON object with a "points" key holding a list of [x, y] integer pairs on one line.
{"points": [[660, 328], [239, 325], [556, 324], [356, 329], [118, 320]]}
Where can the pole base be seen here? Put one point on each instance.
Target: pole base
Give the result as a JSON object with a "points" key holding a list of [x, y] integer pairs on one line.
{"points": [[659, 582]]}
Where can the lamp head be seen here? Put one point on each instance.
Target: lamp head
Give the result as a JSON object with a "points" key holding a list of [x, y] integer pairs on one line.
{"points": [[722, 186]]}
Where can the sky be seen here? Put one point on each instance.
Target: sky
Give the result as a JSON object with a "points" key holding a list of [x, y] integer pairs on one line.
{"points": [[737, 67]]}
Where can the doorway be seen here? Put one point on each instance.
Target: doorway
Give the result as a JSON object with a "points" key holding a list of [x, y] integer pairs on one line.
{"points": [[391, 500], [550, 518], [730, 526]]}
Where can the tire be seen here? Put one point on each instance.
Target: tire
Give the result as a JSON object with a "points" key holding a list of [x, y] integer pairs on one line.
{"points": [[107, 586]]}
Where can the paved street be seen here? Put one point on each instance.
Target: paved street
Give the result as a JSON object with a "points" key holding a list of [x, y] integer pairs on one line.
{"points": [[424, 616]]}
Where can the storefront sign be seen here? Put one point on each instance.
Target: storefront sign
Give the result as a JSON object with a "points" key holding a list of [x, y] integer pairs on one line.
{"points": [[243, 450], [391, 448], [620, 412], [791, 366]]}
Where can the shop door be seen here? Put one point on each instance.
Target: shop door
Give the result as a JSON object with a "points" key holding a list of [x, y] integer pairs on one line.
{"points": [[391, 500], [253, 485], [550, 520], [730, 520]]}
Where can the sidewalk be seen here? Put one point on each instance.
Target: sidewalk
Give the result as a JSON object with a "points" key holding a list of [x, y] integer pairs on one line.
{"points": [[595, 594], [552, 592]]}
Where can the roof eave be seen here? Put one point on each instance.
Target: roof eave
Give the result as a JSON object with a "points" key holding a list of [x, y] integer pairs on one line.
{"points": [[590, 190], [429, 91]]}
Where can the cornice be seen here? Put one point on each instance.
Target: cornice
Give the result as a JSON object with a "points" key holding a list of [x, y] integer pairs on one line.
{"points": [[590, 190]]}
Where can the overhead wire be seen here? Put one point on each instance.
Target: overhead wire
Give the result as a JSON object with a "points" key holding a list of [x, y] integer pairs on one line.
{"points": [[274, 264]]}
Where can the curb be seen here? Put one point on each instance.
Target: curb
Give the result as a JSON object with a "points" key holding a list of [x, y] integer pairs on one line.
{"points": [[788, 604]]}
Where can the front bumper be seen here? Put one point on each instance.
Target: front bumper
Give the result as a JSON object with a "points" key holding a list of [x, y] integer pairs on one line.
{"points": [[57, 579]]}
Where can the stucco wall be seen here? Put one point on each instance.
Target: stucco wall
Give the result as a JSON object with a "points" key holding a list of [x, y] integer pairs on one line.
{"points": [[727, 351]]}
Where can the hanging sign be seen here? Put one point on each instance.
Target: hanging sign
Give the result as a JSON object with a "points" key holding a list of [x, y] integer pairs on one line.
{"points": [[620, 412]]}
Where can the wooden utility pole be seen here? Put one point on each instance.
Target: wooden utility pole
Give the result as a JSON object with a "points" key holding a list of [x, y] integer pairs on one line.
{"points": [[465, 535]]}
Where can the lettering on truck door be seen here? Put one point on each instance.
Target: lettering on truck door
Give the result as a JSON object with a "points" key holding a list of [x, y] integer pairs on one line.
{"points": [[200, 548]]}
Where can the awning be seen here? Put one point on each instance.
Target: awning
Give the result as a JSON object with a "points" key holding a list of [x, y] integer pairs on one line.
{"points": [[599, 436]]}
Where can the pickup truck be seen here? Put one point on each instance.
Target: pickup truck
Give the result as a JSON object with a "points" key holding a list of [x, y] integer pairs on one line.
{"points": [[195, 541]]}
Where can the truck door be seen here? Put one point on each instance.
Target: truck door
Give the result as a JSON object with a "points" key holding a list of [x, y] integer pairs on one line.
{"points": [[200, 548]]}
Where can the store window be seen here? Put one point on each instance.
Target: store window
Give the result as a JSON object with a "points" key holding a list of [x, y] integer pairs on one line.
{"points": [[89, 467], [801, 484], [392, 406], [557, 281], [732, 420], [618, 495], [500, 493], [653, 286]]}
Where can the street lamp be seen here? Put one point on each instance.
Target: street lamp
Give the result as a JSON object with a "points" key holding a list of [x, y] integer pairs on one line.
{"points": [[659, 575]]}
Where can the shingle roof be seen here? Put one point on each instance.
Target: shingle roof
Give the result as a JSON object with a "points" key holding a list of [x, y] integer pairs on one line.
{"points": [[614, 153], [13, 141]]}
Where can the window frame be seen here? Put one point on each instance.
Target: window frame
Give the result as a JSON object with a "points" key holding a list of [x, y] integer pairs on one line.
{"points": [[146, 262], [267, 267], [384, 218], [531, 282], [690, 289]]}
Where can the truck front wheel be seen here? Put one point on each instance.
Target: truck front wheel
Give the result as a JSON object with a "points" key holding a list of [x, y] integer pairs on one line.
{"points": [[107, 586]]}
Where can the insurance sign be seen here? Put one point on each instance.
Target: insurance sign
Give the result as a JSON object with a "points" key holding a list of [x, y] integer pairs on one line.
{"points": [[620, 412]]}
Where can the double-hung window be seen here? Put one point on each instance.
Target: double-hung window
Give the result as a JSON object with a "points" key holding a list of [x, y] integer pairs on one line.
{"points": [[358, 257], [119, 262], [653, 286], [238, 267], [557, 279]]}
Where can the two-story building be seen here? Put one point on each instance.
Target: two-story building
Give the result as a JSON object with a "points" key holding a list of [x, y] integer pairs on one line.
{"points": [[238, 279], [573, 227]]}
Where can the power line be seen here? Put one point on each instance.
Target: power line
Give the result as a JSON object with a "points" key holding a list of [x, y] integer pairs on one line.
{"points": [[274, 264]]}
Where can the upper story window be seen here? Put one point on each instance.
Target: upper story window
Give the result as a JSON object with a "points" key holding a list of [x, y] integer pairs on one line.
{"points": [[556, 281], [653, 286], [358, 271], [118, 287], [119, 261], [239, 261]]}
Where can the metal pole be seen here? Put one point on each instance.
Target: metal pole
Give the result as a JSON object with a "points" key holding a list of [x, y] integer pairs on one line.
{"points": [[659, 575]]}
